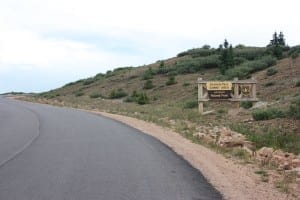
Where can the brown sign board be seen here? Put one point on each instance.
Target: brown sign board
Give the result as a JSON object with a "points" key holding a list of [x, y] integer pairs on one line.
{"points": [[219, 94]]}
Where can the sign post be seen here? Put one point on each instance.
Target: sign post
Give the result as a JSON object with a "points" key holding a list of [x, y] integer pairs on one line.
{"points": [[234, 91]]}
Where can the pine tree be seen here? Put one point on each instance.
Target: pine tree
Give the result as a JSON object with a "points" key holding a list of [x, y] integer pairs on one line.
{"points": [[227, 57], [281, 40]]}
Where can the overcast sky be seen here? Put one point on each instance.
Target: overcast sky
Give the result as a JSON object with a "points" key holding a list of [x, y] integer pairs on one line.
{"points": [[45, 44]]}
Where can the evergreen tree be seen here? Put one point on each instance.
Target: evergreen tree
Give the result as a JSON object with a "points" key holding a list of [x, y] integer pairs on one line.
{"points": [[281, 40], [227, 57], [277, 45]]}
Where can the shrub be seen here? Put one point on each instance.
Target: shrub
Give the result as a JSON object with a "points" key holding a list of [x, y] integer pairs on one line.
{"points": [[185, 84], [246, 104], [88, 81], [198, 52], [95, 95], [142, 99], [79, 93], [271, 71], [295, 55], [171, 80], [249, 53], [148, 74], [239, 60], [244, 70], [269, 83], [266, 114], [294, 109], [191, 104], [116, 94], [148, 85], [298, 83]]}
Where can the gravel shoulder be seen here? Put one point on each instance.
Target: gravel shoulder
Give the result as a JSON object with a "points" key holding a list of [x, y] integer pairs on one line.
{"points": [[233, 180]]}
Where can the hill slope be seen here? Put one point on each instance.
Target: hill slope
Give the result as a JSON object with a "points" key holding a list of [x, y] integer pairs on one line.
{"points": [[169, 91]]}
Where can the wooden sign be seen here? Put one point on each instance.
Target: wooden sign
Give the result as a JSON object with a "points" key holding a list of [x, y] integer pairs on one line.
{"points": [[234, 91], [219, 94], [225, 85]]}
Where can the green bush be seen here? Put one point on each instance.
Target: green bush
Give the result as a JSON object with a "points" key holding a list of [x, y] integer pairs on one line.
{"points": [[88, 81], [191, 104], [246, 104], [298, 83], [185, 84], [271, 71], [244, 70], [294, 109], [249, 53], [269, 83], [95, 95], [116, 94], [142, 99], [198, 52], [79, 93], [171, 81], [148, 74], [148, 85], [266, 114]]}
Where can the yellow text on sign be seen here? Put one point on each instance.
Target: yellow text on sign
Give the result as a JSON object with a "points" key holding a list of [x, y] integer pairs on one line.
{"points": [[225, 85]]}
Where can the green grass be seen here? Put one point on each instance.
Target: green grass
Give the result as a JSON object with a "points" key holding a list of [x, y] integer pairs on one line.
{"points": [[268, 113], [264, 175], [95, 95], [246, 104], [270, 137]]}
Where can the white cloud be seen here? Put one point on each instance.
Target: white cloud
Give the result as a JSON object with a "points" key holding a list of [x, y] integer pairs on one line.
{"points": [[154, 29]]}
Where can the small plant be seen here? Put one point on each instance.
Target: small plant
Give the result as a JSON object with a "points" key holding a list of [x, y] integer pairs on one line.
{"points": [[116, 94], [185, 84], [142, 99], [222, 111], [148, 85], [294, 109], [270, 83], [246, 104], [191, 104], [271, 71], [264, 175], [88, 81], [298, 83], [171, 80], [295, 55], [148, 74], [95, 95], [284, 184], [266, 114], [79, 93]]}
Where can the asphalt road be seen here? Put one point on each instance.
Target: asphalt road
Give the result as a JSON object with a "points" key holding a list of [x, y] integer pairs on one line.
{"points": [[50, 153]]}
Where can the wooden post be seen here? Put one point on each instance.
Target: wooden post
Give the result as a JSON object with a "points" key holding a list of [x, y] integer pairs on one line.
{"points": [[236, 89], [200, 107], [200, 96]]}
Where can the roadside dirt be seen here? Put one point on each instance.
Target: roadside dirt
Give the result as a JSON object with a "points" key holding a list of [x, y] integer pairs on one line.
{"points": [[235, 181]]}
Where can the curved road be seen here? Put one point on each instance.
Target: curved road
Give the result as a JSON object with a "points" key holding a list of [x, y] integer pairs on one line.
{"points": [[50, 153]]}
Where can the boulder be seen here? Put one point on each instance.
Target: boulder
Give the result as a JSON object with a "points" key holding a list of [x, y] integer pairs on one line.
{"points": [[296, 163], [264, 155]]}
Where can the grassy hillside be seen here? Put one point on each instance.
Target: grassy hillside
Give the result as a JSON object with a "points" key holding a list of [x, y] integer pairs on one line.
{"points": [[165, 92]]}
